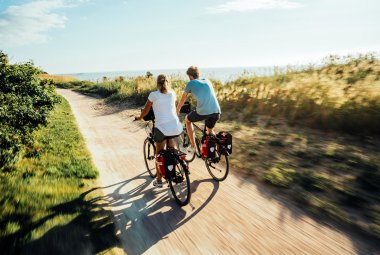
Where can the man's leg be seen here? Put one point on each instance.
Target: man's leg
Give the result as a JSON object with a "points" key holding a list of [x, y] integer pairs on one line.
{"points": [[210, 123], [190, 132], [210, 131]]}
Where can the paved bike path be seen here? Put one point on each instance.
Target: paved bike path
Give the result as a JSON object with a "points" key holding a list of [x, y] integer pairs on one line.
{"points": [[232, 217]]}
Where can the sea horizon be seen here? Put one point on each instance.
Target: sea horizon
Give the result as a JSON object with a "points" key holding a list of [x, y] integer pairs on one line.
{"points": [[224, 74]]}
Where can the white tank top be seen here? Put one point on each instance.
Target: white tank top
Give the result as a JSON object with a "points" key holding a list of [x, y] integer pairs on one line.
{"points": [[164, 108]]}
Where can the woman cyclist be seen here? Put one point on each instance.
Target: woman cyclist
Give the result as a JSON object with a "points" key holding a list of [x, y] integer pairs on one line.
{"points": [[167, 124]]}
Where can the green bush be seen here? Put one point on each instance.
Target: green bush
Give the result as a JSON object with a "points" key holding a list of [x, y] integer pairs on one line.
{"points": [[25, 101]]}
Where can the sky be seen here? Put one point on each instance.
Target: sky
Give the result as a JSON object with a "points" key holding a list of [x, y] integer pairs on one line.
{"points": [[74, 36]]}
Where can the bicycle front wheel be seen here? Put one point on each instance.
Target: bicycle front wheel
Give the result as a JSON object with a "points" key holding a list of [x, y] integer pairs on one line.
{"points": [[150, 157], [218, 167], [183, 143], [180, 186]]}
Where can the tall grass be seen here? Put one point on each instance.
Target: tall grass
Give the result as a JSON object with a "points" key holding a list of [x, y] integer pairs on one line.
{"points": [[343, 94], [343, 97], [57, 78]]}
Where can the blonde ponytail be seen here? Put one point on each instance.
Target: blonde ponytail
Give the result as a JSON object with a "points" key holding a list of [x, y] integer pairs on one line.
{"points": [[162, 83]]}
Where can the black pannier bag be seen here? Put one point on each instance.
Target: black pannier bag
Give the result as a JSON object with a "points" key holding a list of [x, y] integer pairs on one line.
{"points": [[186, 107], [150, 115], [166, 163], [225, 142], [208, 146]]}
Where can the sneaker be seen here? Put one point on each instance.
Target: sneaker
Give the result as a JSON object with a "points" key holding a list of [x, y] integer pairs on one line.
{"points": [[190, 150], [157, 183]]}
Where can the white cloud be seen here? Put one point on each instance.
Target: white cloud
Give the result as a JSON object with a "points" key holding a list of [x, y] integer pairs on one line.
{"points": [[28, 23], [252, 5]]}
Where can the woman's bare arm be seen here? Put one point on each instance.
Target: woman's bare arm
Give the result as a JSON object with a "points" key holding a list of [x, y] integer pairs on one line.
{"points": [[145, 111]]}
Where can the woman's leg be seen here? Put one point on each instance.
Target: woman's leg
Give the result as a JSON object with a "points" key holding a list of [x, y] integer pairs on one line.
{"points": [[172, 143], [159, 146]]}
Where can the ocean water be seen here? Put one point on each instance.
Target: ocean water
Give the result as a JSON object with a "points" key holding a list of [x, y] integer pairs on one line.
{"points": [[223, 74]]}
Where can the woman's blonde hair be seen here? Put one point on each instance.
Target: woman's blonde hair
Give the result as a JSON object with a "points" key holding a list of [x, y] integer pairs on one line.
{"points": [[162, 83]]}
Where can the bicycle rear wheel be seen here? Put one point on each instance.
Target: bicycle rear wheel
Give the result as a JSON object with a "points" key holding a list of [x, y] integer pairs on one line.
{"points": [[180, 186], [183, 143], [218, 167], [150, 157]]}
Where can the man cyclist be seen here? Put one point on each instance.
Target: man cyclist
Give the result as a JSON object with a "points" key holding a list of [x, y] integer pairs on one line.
{"points": [[207, 109]]}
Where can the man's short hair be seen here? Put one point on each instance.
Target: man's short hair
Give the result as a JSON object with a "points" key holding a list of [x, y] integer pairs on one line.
{"points": [[193, 71]]}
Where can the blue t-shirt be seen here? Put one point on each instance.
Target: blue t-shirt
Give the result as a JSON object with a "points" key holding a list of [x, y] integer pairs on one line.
{"points": [[204, 94]]}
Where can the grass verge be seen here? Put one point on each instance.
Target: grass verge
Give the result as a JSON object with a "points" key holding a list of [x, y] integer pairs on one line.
{"points": [[48, 201]]}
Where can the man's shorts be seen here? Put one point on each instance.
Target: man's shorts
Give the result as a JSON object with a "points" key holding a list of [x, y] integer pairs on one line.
{"points": [[211, 119], [159, 137]]}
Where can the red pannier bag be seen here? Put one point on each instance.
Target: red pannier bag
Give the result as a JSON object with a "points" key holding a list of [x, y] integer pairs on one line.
{"points": [[166, 164], [224, 142], [208, 146]]}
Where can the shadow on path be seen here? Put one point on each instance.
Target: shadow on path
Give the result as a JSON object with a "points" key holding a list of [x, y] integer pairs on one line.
{"points": [[140, 215], [148, 215]]}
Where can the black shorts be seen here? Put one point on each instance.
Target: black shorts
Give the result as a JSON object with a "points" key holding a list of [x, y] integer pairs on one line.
{"points": [[159, 137], [211, 119]]}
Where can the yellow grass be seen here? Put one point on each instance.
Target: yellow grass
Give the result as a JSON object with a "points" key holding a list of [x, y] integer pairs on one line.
{"points": [[58, 78]]}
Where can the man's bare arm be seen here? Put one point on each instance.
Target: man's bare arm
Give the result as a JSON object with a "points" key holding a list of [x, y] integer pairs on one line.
{"points": [[181, 101]]}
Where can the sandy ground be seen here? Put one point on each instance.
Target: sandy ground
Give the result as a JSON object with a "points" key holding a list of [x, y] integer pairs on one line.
{"points": [[236, 216]]}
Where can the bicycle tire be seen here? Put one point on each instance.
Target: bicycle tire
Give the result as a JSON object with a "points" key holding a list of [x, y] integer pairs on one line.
{"points": [[150, 157], [222, 168], [181, 177], [183, 143]]}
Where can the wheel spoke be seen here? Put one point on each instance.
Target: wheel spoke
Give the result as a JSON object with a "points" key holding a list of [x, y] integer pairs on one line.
{"points": [[180, 186], [219, 169]]}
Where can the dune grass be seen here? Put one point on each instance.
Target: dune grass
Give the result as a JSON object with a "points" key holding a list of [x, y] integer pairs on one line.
{"points": [[43, 198], [342, 95], [58, 78]]}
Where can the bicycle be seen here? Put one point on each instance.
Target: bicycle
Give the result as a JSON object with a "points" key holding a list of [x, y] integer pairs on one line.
{"points": [[218, 166], [179, 182]]}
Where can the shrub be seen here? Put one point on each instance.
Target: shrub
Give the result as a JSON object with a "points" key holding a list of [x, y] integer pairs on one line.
{"points": [[25, 101]]}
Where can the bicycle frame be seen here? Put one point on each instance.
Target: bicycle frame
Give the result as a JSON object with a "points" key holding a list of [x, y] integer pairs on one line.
{"points": [[215, 166], [203, 131]]}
